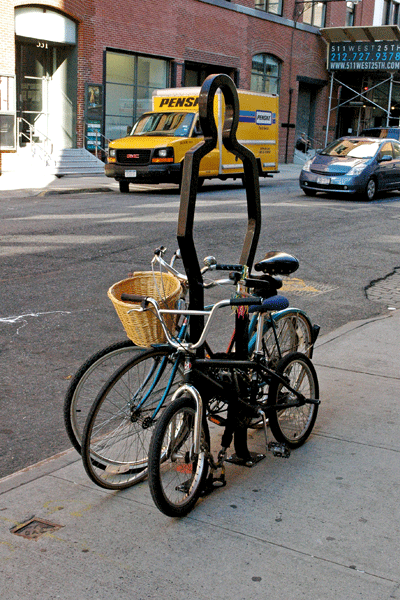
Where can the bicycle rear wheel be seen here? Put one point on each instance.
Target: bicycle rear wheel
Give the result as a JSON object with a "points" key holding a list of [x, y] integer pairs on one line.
{"points": [[294, 333], [293, 425], [176, 474], [117, 433], [87, 383]]}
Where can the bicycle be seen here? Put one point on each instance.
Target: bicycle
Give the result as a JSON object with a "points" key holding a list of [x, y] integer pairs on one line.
{"points": [[109, 455], [242, 386], [179, 453], [93, 374], [293, 330], [118, 429]]}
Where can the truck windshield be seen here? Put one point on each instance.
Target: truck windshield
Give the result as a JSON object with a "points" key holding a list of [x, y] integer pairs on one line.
{"points": [[164, 124]]}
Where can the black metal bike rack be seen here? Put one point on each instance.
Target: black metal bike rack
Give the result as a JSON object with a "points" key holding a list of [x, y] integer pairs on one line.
{"points": [[189, 186], [190, 175]]}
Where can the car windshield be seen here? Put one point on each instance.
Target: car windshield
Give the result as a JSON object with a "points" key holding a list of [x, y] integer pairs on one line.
{"points": [[164, 124], [352, 148]]}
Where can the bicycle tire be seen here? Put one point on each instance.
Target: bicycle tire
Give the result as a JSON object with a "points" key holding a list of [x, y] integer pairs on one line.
{"points": [[176, 477], [86, 384], [293, 425], [118, 429]]}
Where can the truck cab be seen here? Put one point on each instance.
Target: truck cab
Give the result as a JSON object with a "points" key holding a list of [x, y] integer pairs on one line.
{"points": [[154, 150]]}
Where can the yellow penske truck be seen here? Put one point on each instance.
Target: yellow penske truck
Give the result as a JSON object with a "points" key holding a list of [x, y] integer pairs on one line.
{"points": [[154, 150]]}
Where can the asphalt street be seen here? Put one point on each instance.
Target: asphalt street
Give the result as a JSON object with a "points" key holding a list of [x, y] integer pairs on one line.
{"points": [[63, 246]]}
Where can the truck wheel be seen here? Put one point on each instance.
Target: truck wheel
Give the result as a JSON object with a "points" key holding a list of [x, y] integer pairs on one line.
{"points": [[124, 186]]}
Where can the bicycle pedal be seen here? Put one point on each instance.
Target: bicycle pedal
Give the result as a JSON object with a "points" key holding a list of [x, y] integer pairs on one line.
{"points": [[256, 424], [217, 420], [253, 459], [212, 483], [279, 450]]}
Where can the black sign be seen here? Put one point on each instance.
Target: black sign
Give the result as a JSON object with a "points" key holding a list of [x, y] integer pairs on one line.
{"points": [[364, 56]]}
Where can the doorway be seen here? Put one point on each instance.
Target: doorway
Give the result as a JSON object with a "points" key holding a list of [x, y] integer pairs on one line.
{"points": [[305, 119], [46, 92]]}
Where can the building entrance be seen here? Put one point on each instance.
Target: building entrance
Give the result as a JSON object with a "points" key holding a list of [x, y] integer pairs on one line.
{"points": [[46, 96], [46, 65]]}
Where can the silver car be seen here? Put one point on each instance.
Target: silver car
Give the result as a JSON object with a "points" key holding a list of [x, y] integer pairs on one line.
{"points": [[353, 165]]}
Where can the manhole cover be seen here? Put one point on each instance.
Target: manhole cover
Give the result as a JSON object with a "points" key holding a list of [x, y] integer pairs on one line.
{"points": [[34, 528]]}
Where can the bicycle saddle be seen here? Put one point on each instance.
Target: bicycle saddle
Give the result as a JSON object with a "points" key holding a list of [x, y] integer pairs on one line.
{"points": [[277, 263]]}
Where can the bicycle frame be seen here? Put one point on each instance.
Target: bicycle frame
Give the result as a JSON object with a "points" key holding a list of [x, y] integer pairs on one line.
{"points": [[259, 322]]}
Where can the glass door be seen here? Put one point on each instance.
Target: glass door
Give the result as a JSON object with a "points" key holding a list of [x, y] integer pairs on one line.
{"points": [[35, 74]]}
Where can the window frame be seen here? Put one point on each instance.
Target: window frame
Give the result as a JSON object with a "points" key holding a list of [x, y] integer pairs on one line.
{"points": [[265, 6], [135, 86], [311, 7], [265, 77]]}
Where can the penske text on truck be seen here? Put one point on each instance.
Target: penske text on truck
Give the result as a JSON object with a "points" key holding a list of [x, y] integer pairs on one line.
{"points": [[154, 150]]}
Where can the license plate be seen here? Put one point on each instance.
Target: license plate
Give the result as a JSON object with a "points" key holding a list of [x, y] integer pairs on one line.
{"points": [[130, 173], [323, 180]]}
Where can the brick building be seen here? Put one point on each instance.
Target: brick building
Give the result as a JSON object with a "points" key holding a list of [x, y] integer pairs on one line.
{"points": [[72, 67]]}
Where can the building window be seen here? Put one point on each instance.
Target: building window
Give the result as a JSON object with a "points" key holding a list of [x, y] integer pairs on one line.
{"points": [[390, 12], [270, 6], [350, 13], [265, 74], [130, 81], [314, 13]]}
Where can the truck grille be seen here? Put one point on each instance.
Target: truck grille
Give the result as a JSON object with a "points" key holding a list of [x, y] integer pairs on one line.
{"points": [[133, 157]]}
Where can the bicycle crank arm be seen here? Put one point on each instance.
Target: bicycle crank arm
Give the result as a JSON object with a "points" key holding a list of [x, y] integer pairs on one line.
{"points": [[297, 404]]}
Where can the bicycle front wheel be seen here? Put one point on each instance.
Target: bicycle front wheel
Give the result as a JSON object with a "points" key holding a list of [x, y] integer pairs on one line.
{"points": [[293, 425], [117, 433], [176, 474], [87, 383]]}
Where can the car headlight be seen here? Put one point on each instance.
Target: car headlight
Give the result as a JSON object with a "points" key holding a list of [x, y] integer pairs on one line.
{"points": [[163, 155], [356, 170], [307, 166], [112, 153]]}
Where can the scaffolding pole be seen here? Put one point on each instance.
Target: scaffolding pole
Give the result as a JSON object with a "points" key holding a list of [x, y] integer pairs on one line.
{"points": [[390, 100], [329, 108]]}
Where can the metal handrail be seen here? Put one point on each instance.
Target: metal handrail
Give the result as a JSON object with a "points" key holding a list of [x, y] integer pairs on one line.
{"points": [[97, 143], [34, 145]]}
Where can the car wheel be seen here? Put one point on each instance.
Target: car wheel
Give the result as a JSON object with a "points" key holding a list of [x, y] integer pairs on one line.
{"points": [[371, 189], [309, 192], [124, 186]]}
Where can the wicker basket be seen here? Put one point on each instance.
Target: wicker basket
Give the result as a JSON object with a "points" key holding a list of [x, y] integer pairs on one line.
{"points": [[144, 328]]}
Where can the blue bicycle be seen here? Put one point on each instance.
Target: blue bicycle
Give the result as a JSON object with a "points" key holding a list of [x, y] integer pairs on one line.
{"points": [[121, 419]]}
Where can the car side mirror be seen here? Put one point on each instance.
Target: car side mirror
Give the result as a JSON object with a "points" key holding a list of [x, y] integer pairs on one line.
{"points": [[197, 130], [385, 158]]}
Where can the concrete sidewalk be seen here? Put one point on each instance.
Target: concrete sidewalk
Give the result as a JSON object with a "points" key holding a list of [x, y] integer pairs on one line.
{"points": [[323, 525]]}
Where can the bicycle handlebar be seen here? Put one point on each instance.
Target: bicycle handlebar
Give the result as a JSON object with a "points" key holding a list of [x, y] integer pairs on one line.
{"points": [[209, 313], [250, 300], [250, 281], [133, 298], [236, 268]]}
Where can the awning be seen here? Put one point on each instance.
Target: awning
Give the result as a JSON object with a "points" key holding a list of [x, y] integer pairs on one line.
{"points": [[377, 33]]}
